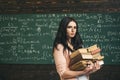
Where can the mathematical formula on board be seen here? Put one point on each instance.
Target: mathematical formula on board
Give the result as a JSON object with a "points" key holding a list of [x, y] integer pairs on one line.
{"points": [[28, 38]]}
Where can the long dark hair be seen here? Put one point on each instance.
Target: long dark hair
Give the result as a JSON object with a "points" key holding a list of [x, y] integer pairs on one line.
{"points": [[61, 37]]}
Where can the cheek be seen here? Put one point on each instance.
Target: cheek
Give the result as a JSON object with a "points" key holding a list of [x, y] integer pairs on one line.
{"points": [[75, 30], [68, 31]]}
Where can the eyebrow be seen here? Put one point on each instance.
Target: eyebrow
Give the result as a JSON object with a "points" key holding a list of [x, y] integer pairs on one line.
{"points": [[71, 26]]}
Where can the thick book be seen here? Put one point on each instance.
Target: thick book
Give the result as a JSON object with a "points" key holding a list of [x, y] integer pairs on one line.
{"points": [[80, 54], [80, 65], [95, 52], [79, 51], [79, 58]]}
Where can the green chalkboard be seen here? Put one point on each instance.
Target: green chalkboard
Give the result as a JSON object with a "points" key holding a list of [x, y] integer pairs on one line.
{"points": [[28, 38]]}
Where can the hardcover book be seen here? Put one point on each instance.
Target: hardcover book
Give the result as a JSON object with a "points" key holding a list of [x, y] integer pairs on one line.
{"points": [[79, 58]]}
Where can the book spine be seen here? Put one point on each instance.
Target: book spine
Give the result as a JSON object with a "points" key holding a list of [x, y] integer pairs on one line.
{"points": [[79, 66], [75, 59], [95, 51]]}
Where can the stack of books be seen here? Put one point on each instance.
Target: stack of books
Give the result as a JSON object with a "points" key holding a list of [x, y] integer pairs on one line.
{"points": [[79, 58]]}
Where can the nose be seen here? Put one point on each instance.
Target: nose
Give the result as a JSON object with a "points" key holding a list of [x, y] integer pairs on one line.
{"points": [[73, 29]]}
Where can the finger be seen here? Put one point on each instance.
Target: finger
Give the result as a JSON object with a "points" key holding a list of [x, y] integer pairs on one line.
{"points": [[97, 66]]}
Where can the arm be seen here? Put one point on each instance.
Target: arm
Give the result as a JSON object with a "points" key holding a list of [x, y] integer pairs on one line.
{"points": [[62, 66], [72, 74]]}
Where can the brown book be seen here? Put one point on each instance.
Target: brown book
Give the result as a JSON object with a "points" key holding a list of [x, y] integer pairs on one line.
{"points": [[97, 56], [77, 52], [92, 48], [80, 65], [80, 54], [95, 51], [79, 58]]}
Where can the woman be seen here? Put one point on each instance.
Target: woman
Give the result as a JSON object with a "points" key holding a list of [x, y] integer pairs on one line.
{"points": [[66, 41]]}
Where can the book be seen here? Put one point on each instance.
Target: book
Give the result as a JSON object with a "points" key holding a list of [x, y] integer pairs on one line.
{"points": [[97, 56], [79, 58], [80, 54], [77, 52], [92, 48], [95, 51], [80, 65]]}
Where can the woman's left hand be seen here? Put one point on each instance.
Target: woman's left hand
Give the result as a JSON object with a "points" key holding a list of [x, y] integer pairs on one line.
{"points": [[95, 67]]}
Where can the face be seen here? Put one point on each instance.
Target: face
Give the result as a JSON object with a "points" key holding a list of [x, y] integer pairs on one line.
{"points": [[71, 29]]}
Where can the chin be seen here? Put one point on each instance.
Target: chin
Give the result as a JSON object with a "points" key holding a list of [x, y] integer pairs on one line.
{"points": [[72, 36]]}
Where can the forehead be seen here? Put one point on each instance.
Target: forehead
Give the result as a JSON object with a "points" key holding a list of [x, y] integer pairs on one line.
{"points": [[71, 23]]}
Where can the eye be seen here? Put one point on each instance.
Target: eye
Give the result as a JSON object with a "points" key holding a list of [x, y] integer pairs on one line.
{"points": [[69, 26], [75, 27]]}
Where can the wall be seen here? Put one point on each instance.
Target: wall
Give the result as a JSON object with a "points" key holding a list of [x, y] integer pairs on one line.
{"points": [[47, 71]]}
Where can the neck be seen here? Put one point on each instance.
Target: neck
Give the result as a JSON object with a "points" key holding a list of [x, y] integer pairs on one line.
{"points": [[69, 40], [70, 45]]}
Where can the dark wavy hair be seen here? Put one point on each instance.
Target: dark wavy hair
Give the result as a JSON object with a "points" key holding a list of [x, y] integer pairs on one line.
{"points": [[61, 37]]}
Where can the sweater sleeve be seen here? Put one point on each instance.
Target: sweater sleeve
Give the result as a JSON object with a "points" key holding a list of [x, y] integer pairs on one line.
{"points": [[60, 60]]}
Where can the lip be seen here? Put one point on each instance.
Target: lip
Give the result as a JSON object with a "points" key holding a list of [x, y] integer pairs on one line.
{"points": [[72, 33]]}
